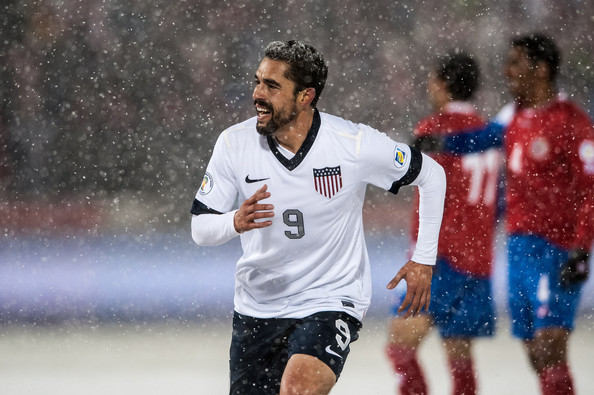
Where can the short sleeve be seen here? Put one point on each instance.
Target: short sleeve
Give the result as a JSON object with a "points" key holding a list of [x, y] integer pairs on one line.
{"points": [[386, 163], [218, 190]]}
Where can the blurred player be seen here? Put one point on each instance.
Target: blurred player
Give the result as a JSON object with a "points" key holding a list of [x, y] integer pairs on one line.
{"points": [[550, 208], [302, 285], [549, 146], [461, 299]]}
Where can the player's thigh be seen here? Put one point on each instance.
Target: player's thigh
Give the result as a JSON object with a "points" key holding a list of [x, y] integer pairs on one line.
{"points": [[458, 347], [462, 304], [306, 374], [537, 299], [326, 336], [409, 331], [258, 354], [412, 330], [524, 274], [558, 304]]}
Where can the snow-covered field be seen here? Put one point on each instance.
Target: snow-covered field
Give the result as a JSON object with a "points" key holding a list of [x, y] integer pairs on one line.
{"points": [[151, 316], [192, 359]]}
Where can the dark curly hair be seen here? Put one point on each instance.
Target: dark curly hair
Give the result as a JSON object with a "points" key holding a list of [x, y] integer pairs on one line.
{"points": [[540, 48], [307, 67], [461, 74]]}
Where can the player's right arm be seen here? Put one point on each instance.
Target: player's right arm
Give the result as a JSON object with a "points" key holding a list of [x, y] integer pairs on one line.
{"points": [[252, 214], [216, 218], [211, 228], [475, 140]]}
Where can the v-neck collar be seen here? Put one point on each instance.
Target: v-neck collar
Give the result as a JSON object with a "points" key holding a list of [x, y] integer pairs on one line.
{"points": [[292, 163]]}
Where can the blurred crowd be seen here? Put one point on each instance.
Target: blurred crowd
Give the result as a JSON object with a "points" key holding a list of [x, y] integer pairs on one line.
{"points": [[122, 100]]}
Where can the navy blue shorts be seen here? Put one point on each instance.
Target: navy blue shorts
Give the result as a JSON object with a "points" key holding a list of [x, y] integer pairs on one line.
{"points": [[261, 348], [536, 298], [461, 304]]}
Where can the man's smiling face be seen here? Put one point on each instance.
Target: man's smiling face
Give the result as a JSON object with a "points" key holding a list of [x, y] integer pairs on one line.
{"points": [[274, 97]]}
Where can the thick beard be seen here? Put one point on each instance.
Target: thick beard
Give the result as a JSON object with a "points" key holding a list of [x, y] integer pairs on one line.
{"points": [[277, 121]]}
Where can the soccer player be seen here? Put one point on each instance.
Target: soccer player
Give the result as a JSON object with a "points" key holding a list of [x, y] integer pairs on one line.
{"points": [[550, 208], [461, 298], [302, 285], [549, 146]]}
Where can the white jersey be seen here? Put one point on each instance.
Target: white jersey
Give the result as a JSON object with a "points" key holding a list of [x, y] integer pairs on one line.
{"points": [[313, 257]]}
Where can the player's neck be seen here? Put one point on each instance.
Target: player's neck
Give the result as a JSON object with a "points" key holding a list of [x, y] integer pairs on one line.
{"points": [[542, 96], [293, 135], [440, 100]]}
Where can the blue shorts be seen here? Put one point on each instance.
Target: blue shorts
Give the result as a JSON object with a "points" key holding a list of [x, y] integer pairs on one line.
{"points": [[461, 304], [261, 347], [536, 298]]}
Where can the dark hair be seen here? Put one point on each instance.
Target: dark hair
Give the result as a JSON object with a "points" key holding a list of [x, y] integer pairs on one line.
{"points": [[540, 48], [307, 67], [461, 74]]}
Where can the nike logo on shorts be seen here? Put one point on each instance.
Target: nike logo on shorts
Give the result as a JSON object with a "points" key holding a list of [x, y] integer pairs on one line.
{"points": [[250, 180], [329, 351]]}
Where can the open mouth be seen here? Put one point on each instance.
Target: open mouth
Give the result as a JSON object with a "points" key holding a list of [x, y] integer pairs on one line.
{"points": [[263, 113]]}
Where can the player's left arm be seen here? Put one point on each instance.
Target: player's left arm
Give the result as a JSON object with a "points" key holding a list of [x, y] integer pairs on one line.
{"points": [[418, 287], [390, 165], [431, 182], [576, 269]]}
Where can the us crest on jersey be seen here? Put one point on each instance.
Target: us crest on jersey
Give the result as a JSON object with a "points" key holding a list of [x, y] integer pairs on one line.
{"points": [[327, 181]]}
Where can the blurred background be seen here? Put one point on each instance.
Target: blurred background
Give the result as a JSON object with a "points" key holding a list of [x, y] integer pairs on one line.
{"points": [[109, 111]]}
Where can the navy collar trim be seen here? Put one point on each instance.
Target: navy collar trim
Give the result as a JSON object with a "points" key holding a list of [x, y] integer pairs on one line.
{"points": [[292, 163]]}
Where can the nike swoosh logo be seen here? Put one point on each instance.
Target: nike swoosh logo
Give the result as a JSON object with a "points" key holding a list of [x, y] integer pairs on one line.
{"points": [[329, 351], [250, 180]]}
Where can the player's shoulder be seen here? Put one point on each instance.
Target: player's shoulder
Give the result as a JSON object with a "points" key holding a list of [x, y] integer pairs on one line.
{"points": [[344, 128], [456, 118], [241, 129], [428, 125], [505, 114], [357, 139], [336, 124], [240, 133], [564, 103], [572, 107], [567, 118]]}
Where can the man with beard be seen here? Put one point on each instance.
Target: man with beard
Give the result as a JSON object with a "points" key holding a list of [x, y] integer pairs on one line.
{"points": [[303, 284], [549, 197]]}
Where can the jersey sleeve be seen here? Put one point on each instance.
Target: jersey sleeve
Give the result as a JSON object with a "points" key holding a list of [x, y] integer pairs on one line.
{"points": [[392, 165], [212, 221], [431, 182], [218, 192], [386, 163], [213, 229], [583, 167]]}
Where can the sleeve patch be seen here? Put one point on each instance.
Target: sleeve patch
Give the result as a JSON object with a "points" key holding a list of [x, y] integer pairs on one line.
{"points": [[207, 184], [399, 158], [414, 168]]}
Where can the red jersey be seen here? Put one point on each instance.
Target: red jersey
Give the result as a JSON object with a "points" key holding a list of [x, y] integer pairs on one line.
{"points": [[467, 228], [550, 174]]}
